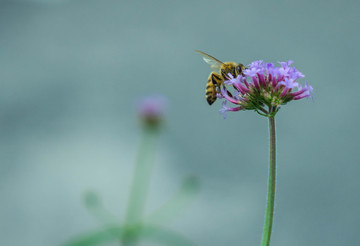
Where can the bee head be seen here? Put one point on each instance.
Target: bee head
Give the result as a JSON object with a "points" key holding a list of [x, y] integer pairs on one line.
{"points": [[229, 67], [239, 69]]}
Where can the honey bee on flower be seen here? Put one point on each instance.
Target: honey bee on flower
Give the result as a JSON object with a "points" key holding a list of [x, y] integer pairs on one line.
{"points": [[219, 75], [263, 87]]}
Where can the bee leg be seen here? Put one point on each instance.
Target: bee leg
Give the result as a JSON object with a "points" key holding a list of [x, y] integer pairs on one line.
{"points": [[228, 92]]}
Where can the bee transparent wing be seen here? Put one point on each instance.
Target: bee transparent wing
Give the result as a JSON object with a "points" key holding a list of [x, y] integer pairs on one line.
{"points": [[213, 64], [212, 61]]}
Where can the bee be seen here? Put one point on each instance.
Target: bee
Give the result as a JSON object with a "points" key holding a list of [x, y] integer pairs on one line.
{"points": [[219, 75]]}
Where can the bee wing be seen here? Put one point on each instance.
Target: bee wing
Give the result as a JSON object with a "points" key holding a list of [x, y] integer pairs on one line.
{"points": [[212, 61]]}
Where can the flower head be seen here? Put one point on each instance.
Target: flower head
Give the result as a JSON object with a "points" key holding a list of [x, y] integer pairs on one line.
{"points": [[263, 87], [151, 109]]}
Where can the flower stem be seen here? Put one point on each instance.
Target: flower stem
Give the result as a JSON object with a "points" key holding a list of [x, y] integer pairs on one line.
{"points": [[141, 176], [139, 187], [271, 186]]}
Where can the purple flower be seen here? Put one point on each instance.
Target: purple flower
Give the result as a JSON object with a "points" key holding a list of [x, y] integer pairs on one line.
{"points": [[295, 74], [151, 109], [232, 80], [289, 83], [225, 109], [264, 88], [252, 71], [307, 91], [286, 64], [257, 64], [237, 82], [228, 96]]}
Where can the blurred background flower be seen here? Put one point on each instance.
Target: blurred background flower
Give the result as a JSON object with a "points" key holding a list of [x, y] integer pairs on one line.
{"points": [[151, 110], [70, 71], [137, 226]]}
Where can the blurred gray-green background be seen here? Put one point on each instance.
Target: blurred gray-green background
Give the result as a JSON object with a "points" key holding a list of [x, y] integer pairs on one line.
{"points": [[71, 71]]}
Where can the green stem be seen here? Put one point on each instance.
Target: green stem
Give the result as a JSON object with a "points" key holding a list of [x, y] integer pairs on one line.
{"points": [[141, 177], [271, 186]]}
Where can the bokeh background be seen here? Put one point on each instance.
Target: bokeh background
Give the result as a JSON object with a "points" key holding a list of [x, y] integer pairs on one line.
{"points": [[72, 70]]}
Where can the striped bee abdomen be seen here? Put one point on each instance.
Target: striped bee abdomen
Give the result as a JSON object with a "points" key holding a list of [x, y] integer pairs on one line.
{"points": [[210, 92]]}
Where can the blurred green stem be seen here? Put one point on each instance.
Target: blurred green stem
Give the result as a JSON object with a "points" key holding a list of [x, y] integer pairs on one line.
{"points": [[271, 186], [141, 177]]}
